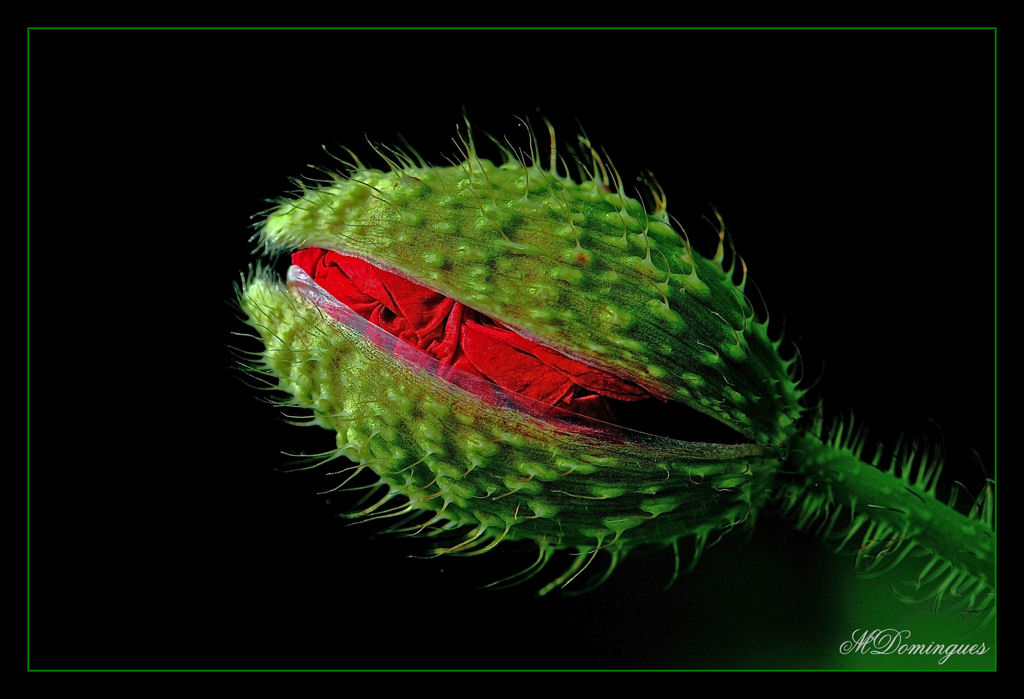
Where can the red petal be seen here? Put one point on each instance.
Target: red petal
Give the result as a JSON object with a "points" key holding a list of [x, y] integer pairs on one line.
{"points": [[495, 354], [463, 339]]}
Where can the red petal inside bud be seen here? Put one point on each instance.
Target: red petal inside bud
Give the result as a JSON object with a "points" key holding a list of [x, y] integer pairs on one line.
{"points": [[464, 339]]}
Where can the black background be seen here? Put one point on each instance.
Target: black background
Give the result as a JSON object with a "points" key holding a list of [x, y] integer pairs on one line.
{"points": [[854, 170]]}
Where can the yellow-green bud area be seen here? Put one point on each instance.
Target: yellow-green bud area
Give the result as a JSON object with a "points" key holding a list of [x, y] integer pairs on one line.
{"points": [[583, 270], [506, 474]]}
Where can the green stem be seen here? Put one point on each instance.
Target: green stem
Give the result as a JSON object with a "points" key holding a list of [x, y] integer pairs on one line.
{"points": [[896, 510]]}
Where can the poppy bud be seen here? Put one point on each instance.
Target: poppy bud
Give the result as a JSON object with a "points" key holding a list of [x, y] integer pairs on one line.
{"points": [[478, 335]]}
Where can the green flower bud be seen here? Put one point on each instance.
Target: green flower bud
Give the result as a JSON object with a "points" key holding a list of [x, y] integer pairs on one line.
{"points": [[577, 267]]}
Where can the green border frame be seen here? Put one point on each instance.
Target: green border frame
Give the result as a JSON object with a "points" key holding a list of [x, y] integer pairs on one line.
{"points": [[28, 287]]}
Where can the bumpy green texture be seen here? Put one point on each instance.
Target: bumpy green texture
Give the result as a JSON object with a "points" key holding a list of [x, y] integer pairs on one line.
{"points": [[584, 269], [500, 473], [577, 267]]}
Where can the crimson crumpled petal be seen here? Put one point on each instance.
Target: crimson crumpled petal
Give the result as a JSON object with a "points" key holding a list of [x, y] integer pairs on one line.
{"points": [[463, 339]]}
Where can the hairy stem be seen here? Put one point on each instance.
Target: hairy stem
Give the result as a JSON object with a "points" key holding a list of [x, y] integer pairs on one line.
{"points": [[895, 510]]}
